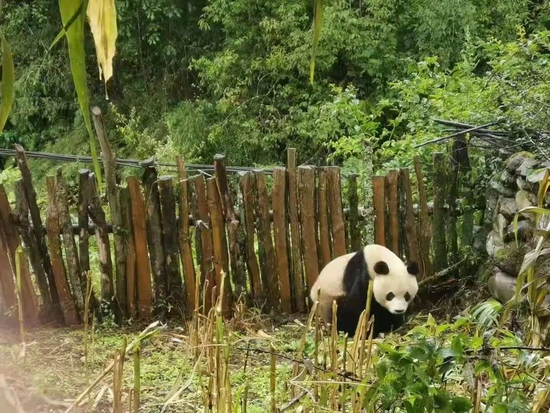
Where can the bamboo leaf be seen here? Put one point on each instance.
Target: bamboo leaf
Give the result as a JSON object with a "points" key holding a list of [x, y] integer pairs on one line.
{"points": [[63, 31], [8, 79], [102, 20], [317, 24], [515, 226], [543, 188], [528, 261], [77, 56], [534, 210]]}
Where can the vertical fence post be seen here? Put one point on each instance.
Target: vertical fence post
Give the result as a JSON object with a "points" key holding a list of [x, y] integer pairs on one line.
{"points": [[38, 230], [393, 210], [53, 227], [439, 236], [379, 202], [154, 232], [219, 244], [84, 197], [322, 217], [234, 228], [337, 224], [410, 224], [21, 215], [265, 242], [280, 228], [174, 287], [109, 165], [451, 213], [185, 241], [9, 242], [353, 199], [306, 177], [126, 215], [102, 238], [368, 210], [425, 232], [71, 253], [143, 273], [297, 274], [248, 189], [205, 230]]}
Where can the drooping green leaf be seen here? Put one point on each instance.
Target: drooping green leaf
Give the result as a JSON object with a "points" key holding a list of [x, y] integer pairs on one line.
{"points": [[66, 26], [530, 259], [317, 24], [543, 188], [8, 79], [77, 57]]}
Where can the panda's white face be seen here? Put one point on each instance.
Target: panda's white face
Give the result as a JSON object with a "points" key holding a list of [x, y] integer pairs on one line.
{"points": [[394, 283], [395, 291]]}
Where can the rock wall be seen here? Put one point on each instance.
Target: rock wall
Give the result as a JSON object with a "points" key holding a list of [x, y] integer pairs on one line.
{"points": [[509, 192]]}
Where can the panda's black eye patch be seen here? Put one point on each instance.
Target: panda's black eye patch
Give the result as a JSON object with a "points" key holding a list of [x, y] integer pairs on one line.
{"points": [[407, 297], [390, 296], [381, 268]]}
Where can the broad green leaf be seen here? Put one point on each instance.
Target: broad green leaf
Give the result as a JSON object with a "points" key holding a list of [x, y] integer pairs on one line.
{"points": [[459, 322], [456, 347], [8, 79], [499, 408], [461, 404], [77, 57], [317, 24], [102, 20], [441, 401]]}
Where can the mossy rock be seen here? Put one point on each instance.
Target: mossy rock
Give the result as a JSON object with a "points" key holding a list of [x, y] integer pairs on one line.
{"points": [[534, 176], [508, 179], [494, 243], [510, 258], [498, 186], [522, 184], [526, 166], [508, 207], [525, 231]]}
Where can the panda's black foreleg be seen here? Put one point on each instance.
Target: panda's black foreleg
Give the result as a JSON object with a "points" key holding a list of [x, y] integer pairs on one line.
{"points": [[347, 316]]}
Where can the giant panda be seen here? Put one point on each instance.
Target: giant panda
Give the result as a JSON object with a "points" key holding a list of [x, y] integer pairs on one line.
{"points": [[345, 279]]}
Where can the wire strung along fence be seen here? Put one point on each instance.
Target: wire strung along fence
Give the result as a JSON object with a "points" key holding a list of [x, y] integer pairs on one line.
{"points": [[152, 243]]}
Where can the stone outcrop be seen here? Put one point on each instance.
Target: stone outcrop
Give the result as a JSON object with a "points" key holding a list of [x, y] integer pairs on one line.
{"points": [[510, 191]]}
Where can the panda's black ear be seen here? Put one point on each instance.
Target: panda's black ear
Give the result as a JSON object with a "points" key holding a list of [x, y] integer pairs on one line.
{"points": [[381, 268], [413, 269]]}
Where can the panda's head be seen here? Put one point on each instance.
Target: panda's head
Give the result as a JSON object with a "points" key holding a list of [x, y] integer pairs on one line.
{"points": [[394, 283]]}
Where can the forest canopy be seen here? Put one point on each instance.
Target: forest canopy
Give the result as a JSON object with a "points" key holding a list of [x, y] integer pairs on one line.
{"points": [[205, 77]]}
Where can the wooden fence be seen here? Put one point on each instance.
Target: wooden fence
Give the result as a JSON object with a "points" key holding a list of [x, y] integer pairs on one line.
{"points": [[163, 242]]}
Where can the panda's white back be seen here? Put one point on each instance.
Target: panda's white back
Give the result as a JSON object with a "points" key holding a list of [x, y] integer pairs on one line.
{"points": [[330, 279]]}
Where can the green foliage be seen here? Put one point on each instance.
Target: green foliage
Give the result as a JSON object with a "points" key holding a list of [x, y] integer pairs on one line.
{"points": [[418, 375], [199, 78]]}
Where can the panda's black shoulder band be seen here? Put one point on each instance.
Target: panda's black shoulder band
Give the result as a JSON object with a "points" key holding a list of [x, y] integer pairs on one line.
{"points": [[381, 268]]}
